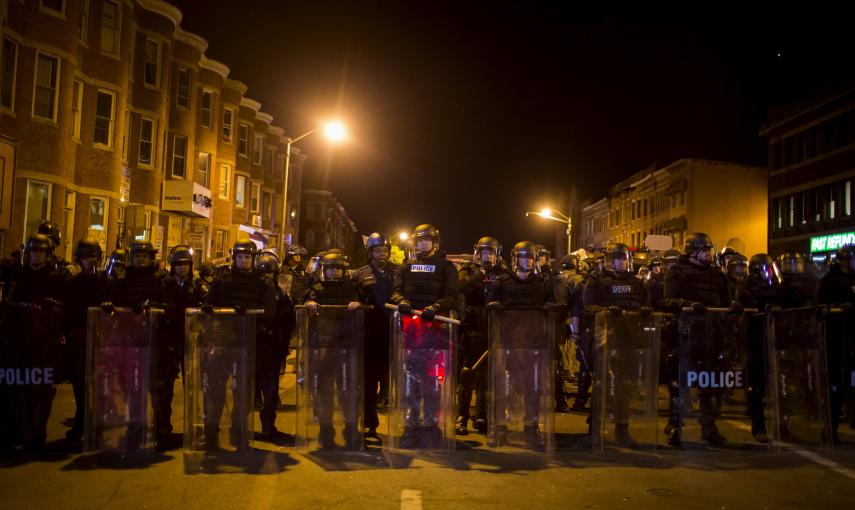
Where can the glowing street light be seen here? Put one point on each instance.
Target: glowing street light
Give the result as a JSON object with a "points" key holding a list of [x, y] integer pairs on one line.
{"points": [[403, 236], [545, 212], [551, 214], [335, 132]]}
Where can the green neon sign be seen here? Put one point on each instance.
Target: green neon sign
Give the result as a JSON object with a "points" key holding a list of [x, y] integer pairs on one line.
{"points": [[831, 242]]}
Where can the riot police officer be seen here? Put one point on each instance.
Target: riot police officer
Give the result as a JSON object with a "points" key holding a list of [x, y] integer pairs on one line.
{"points": [[617, 289], [142, 285], [117, 265], [428, 281], [86, 288], [38, 288], [797, 280], [334, 288], [737, 272], [522, 287], [837, 288], [375, 282], [295, 268], [694, 281], [51, 230], [486, 265], [269, 363]]}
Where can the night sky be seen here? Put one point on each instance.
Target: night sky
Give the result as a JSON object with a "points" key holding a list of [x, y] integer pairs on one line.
{"points": [[468, 116]]}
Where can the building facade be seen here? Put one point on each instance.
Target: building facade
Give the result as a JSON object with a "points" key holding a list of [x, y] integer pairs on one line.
{"points": [[724, 200], [812, 169], [325, 223], [115, 124]]}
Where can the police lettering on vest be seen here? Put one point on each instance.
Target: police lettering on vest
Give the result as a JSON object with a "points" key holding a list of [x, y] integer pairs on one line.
{"points": [[704, 379], [26, 376], [621, 289], [422, 268]]}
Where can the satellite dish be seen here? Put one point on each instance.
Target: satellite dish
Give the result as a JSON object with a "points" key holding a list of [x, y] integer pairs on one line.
{"points": [[658, 242]]}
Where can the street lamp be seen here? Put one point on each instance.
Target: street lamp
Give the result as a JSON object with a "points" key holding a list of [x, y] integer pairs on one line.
{"points": [[551, 214], [335, 132]]}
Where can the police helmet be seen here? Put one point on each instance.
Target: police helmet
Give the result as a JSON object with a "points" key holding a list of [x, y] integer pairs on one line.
{"points": [[181, 254], [763, 268], [523, 249], [426, 230], [486, 243], [118, 259], [88, 247], [296, 250], [315, 262], [332, 261], [570, 261], [376, 240], [207, 269], [792, 263], [698, 243], [37, 242], [268, 263], [616, 252], [51, 230]]}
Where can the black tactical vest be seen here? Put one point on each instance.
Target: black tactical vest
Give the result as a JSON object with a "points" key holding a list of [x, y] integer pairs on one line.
{"points": [[338, 292], [240, 289], [424, 280], [703, 284], [138, 285], [522, 293], [618, 289]]}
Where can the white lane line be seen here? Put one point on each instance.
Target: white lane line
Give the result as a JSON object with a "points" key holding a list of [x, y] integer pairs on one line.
{"points": [[411, 500], [811, 456]]}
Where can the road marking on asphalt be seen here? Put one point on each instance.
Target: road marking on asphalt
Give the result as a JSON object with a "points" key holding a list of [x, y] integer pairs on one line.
{"points": [[411, 500], [811, 456]]}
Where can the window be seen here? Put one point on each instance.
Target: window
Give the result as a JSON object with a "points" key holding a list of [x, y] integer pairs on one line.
{"points": [[45, 96], [267, 206], [832, 203], [110, 27], [847, 198], [268, 163], [791, 210], [280, 167], [57, 6], [83, 22], [221, 242], [146, 141], [240, 191], [104, 118], [10, 63], [207, 104], [228, 119], [779, 215], [225, 181], [203, 169], [126, 138], [97, 214], [817, 206], [257, 149], [76, 103], [38, 206], [179, 156], [255, 198], [151, 73], [243, 139], [182, 93]]}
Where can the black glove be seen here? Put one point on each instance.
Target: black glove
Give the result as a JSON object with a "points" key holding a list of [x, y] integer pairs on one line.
{"points": [[239, 310], [699, 307], [615, 310], [405, 308], [494, 305], [645, 311], [737, 308], [429, 312], [107, 307], [207, 309], [774, 308]]}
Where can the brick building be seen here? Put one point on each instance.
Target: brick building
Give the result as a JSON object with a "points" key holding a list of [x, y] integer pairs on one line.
{"points": [[326, 224], [115, 124]]}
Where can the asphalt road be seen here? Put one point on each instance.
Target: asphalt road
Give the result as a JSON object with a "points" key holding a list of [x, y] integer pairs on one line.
{"points": [[742, 475]]}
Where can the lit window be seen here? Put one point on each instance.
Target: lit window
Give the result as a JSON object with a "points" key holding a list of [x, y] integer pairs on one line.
{"points": [[847, 198], [228, 120], [225, 181], [203, 169], [38, 206], [240, 191], [97, 214]]}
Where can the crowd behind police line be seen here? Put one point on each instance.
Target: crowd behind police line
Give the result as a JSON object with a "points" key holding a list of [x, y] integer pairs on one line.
{"points": [[577, 287]]}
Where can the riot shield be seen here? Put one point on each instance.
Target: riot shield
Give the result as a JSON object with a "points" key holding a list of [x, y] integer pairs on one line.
{"points": [[712, 361], [421, 415], [219, 360], [30, 365], [329, 378], [522, 400], [626, 357], [798, 378], [120, 375]]}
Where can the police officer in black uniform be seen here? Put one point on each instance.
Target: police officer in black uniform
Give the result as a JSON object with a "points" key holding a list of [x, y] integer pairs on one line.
{"points": [[84, 289], [694, 281], [837, 288], [334, 288], [486, 265], [617, 289], [117, 265], [142, 285], [182, 291], [797, 280], [429, 282], [295, 268], [375, 282], [269, 363], [737, 273], [522, 287], [40, 284], [241, 288], [52, 230]]}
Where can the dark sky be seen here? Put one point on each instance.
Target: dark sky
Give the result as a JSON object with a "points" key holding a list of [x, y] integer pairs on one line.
{"points": [[468, 116]]}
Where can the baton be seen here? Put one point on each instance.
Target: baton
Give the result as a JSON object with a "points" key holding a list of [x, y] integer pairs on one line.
{"points": [[476, 364], [440, 318]]}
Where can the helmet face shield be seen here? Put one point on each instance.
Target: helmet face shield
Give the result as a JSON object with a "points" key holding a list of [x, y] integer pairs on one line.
{"points": [[524, 256], [763, 268]]}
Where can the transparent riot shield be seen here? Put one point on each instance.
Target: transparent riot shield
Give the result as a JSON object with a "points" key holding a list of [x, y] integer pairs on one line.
{"points": [[219, 361], [422, 391], [522, 400], [329, 378], [798, 378], [120, 375], [712, 357], [284, 282], [626, 357], [30, 364]]}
